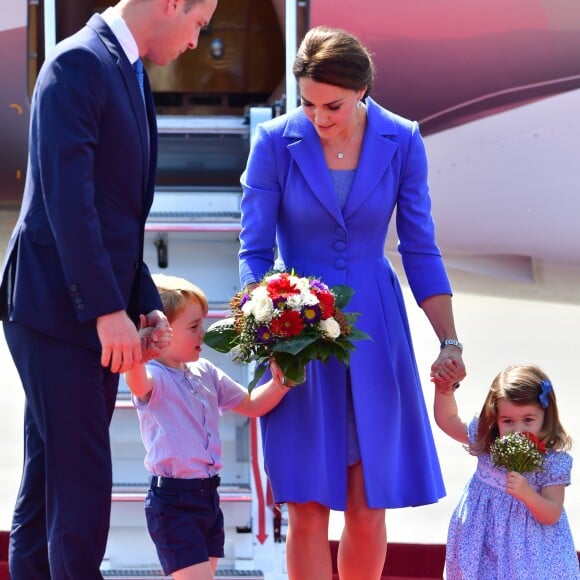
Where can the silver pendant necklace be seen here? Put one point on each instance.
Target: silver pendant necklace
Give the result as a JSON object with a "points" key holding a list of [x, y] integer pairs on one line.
{"points": [[340, 154]]}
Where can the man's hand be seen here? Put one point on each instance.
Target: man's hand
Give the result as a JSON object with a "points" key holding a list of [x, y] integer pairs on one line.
{"points": [[120, 343]]}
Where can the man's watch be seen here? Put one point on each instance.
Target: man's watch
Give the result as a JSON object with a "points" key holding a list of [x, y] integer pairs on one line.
{"points": [[452, 342]]}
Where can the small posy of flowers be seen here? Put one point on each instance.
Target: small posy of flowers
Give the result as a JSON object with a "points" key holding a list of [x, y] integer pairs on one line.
{"points": [[522, 452], [290, 319]]}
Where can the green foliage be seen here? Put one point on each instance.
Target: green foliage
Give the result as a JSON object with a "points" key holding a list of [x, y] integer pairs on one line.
{"points": [[240, 333], [223, 336]]}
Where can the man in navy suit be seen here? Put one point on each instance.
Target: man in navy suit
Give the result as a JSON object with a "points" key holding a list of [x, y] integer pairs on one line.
{"points": [[74, 282]]}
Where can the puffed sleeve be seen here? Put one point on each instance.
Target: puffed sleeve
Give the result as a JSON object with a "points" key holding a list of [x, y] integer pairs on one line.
{"points": [[557, 469], [472, 430]]}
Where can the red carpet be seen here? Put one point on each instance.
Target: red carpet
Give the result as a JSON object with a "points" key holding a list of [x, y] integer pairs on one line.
{"points": [[4, 556], [404, 561], [408, 561]]}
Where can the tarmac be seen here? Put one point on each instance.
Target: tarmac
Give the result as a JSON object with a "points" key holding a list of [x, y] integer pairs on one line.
{"points": [[499, 321]]}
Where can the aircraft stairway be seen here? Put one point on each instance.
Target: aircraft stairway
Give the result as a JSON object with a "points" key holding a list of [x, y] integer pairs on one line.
{"points": [[192, 232]]}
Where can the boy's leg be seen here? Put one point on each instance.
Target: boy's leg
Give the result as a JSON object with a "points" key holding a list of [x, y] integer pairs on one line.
{"points": [[203, 571]]}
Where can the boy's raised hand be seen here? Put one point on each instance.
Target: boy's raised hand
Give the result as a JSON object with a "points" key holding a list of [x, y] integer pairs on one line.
{"points": [[155, 334]]}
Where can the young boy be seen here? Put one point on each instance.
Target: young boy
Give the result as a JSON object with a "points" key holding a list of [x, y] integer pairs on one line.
{"points": [[179, 397]]}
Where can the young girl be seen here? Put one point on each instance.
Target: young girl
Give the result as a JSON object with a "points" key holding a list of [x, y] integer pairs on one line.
{"points": [[179, 397], [509, 525]]}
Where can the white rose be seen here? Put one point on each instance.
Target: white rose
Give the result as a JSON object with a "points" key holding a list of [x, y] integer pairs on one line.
{"points": [[261, 305], [330, 328]]}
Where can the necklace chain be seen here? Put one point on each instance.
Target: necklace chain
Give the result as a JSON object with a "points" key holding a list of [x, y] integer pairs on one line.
{"points": [[340, 154]]}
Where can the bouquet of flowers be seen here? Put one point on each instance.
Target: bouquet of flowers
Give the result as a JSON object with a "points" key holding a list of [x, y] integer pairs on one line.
{"points": [[290, 319], [521, 452]]}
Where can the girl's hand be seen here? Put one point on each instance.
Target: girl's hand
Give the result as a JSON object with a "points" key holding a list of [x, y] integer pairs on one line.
{"points": [[517, 485], [448, 370]]}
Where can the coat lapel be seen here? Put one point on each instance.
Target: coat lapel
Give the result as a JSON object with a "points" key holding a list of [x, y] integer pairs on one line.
{"points": [[376, 154], [152, 143], [128, 74], [304, 147]]}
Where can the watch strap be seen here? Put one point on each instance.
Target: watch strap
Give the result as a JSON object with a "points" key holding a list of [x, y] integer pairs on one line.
{"points": [[451, 342]]}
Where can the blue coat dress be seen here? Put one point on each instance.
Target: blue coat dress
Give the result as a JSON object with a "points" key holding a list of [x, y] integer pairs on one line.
{"points": [[289, 203]]}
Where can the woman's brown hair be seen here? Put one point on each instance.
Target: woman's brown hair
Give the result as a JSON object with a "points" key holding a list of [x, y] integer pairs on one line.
{"points": [[333, 56]]}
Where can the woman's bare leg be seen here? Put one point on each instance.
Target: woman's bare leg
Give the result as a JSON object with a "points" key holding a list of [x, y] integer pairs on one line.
{"points": [[363, 544], [307, 547]]}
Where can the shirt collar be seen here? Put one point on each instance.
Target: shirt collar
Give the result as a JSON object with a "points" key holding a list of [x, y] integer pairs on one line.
{"points": [[122, 33]]}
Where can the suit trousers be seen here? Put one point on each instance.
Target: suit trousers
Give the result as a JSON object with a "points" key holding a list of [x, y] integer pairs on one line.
{"points": [[61, 518]]}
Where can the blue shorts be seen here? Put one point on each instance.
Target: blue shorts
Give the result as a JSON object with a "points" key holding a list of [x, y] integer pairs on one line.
{"points": [[185, 521]]}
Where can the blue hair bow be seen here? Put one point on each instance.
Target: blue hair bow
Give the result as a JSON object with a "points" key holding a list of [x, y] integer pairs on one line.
{"points": [[545, 388]]}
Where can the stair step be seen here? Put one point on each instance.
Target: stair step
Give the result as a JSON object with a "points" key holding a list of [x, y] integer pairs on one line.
{"points": [[146, 574]]}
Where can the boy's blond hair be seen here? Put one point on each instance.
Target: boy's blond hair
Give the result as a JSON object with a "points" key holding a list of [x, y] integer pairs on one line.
{"points": [[175, 292]]}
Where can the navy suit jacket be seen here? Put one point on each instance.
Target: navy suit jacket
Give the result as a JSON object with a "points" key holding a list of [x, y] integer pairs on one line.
{"points": [[76, 251]]}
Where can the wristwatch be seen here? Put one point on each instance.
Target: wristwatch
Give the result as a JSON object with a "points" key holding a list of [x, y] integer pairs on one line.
{"points": [[452, 342]]}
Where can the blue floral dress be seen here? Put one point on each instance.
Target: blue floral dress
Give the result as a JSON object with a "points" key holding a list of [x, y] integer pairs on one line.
{"points": [[492, 535]]}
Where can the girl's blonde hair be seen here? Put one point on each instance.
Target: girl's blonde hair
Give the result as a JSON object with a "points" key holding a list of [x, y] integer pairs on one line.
{"points": [[521, 385], [175, 292]]}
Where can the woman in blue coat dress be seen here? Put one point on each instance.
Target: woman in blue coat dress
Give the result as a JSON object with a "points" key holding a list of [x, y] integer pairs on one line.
{"points": [[320, 187]]}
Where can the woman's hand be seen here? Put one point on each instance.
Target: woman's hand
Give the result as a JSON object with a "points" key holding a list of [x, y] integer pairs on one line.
{"points": [[448, 370]]}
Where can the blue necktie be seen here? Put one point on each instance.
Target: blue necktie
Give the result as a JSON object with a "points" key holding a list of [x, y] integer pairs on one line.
{"points": [[138, 66]]}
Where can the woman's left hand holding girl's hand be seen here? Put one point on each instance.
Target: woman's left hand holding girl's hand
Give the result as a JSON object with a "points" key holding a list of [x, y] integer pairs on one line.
{"points": [[448, 370]]}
